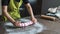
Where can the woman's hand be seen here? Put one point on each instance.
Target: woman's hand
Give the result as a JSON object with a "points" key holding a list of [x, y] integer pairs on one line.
{"points": [[17, 24], [34, 19]]}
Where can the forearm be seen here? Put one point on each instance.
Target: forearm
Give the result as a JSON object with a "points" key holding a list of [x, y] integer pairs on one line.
{"points": [[5, 13], [29, 8]]}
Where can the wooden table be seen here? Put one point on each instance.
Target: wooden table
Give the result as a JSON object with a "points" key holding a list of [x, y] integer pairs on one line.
{"points": [[51, 27]]}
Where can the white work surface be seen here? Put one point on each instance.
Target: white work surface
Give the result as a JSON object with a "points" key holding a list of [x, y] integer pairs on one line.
{"points": [[33, 29]]}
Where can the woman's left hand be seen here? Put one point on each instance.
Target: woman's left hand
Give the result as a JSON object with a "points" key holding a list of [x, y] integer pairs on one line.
{"points": [[34, 19]]}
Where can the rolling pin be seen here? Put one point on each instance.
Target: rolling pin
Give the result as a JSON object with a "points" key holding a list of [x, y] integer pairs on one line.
{"points": [[48, 17]]}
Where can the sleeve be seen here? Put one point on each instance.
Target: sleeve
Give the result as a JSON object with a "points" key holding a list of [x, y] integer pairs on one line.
{"points": [[5, 2], [25, 1]]}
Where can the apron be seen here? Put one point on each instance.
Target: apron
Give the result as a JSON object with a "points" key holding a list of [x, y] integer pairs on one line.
{"points": [[13, 9]]}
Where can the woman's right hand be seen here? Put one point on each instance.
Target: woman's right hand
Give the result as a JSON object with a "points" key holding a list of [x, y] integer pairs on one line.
{"points": [[17, 24]]}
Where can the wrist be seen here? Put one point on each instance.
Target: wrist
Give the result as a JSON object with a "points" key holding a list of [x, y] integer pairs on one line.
{"points": [[32, 17], [14, 22]]}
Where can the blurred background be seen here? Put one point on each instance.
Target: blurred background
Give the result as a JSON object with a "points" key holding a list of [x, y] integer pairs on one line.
{"points": [[0, 8], [39, 6], [36, 6], [49, 4]]}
